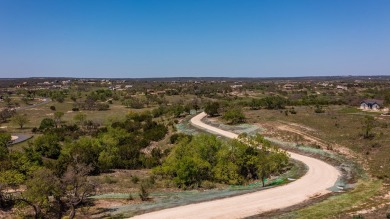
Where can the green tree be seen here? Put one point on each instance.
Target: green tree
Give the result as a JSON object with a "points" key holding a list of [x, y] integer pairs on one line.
{"points": [[80, 118], [48, 145], [86, 150], [5, 139], [40, 187], [368, 125], [212, 108], [58, 118], [20, 120], [47, 123], [234, 115]]}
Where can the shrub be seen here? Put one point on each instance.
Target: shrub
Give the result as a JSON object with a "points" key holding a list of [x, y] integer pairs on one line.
{"points": [[130, 197], [47, 123], [208, 185], [177, 136], [102, 106], [143, 193], [135, 179], [234, 115], [53, 108], [109, 180], [292, 111], [388, 215], [212, 108], [74, 109], [319, 109]]}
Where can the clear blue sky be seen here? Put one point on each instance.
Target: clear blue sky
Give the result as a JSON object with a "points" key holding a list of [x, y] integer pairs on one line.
{"points": [[162, 38]]}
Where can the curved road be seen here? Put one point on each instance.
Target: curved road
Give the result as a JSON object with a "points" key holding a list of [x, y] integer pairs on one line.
{"points": [[319, 177], [45, 101]]}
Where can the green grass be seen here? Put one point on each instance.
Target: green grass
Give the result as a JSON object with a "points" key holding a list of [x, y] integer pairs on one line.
{"points": [[339, 204]]}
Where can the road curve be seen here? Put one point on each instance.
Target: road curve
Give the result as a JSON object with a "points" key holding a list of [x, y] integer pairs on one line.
{"points": [[319, 177]]}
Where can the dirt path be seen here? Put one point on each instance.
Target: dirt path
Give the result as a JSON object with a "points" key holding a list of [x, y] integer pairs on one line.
{"points": [[318, 179], [306, 136]]}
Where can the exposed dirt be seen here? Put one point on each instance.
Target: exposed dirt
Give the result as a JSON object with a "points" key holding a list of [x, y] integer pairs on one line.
{"points": [[318, 179]]}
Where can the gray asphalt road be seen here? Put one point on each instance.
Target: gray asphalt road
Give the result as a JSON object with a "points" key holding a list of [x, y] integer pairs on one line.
{"points": [[35, 105], [21, 138]]}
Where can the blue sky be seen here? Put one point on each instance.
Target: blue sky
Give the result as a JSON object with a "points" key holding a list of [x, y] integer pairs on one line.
{"points": [[159, 38]]}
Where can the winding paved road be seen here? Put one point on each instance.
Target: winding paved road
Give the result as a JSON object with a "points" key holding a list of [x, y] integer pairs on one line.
{"points": [[319, 177], [45, 101]]}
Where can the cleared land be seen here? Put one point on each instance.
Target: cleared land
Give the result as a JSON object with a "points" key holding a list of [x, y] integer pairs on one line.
{"points": [[318, 179]]}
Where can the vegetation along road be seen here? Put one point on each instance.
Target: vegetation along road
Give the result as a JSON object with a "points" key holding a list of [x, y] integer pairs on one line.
{"points": [[318, 179]]}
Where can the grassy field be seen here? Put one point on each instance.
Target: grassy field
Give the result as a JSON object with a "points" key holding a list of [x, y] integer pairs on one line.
{"points": [[340, 127], [340, 204]]}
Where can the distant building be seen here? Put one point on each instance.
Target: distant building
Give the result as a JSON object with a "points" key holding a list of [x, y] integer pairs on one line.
{"points": [[341, 87], [236, 86], [288, 86], [371, 104]]}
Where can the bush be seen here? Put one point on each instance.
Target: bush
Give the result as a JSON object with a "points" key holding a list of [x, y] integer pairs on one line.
{"points": [[212, 108], [130, 197], [102, 106], [388, 215], [75, 109], [177, 136], [207, 158], [234, 116], [292, 111], [135, 179], [143, 193], [208, 185], [319, 109], [109, 180], [47, 123], [53, 108]]}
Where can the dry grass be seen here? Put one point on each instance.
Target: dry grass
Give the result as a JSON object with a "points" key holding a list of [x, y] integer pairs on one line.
{"points": [[339, 128]]}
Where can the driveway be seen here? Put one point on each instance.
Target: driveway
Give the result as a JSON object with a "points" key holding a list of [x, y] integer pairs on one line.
{"points": [[316, 182]]}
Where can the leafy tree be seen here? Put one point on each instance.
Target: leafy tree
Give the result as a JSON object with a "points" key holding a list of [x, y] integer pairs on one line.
{"points": [[58, 96], [234, 115], [85, 150], [274, 102], [46, 124], [57, 117], [20, 120], [177, 110], [212, 108], [135, 103], [8, 101], [80, 118], [205, 157], [368, 125], [6, 114], [40, 187], [5, 139], [48, 145], [12, 178]]}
